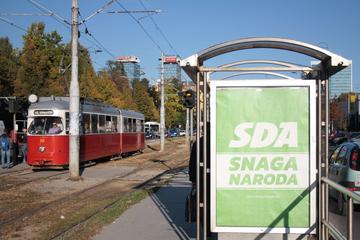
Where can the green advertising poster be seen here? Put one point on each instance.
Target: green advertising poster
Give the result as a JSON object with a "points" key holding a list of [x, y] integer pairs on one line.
{"points": [[262, 156]]}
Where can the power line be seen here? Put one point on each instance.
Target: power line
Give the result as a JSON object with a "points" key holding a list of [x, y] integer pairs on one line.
{"points": [[88, 33], [141, 26], [52, 14], [24, 14], [12, 24], [158, 28], [66, 24], [97, 11], [136, 11]]}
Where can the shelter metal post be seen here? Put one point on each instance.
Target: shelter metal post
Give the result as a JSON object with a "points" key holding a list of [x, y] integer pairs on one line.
{"points": [[205, 132], [198, 157], [326, 155], [191, 125], [187, 125], [321, 196]]}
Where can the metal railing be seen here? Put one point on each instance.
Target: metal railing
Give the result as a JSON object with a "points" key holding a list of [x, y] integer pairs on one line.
{"points": [[351, 196]]}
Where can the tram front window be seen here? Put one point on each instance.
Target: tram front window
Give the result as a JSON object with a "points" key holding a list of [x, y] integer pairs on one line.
{"points": [[46, 125]]}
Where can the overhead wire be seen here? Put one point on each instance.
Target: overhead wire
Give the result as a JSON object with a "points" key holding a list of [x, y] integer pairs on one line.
{"points": [[141, 26], [25, 14], [67, 24], [158, 28], [52, 14], [92, 36], [12, 24], [97, 11]]}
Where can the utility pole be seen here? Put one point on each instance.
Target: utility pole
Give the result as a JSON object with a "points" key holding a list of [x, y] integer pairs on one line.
{"points": [[162, 106], [191, 125], [187, 127], [74, 143]]}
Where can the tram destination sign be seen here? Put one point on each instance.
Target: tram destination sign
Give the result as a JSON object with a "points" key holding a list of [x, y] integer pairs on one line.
{"points": [[263, 156]]}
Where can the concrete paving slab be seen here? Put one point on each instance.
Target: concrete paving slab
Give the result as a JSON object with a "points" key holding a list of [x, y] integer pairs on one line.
{"points": [[160, 216]]}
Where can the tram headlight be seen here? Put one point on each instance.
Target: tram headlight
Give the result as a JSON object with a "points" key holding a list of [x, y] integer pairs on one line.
{"points": [[41, 149]]}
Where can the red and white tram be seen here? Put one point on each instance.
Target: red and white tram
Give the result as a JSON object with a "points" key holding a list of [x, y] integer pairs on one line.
{"points": [[105, 131]]}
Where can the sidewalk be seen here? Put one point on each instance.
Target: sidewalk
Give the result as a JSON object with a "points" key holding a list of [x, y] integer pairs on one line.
{"points": [[17, 167], [160, 216]]}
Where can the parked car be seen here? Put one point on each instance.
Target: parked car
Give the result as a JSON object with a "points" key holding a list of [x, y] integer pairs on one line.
{"points": [[150, 134], [344, 169], [182, 132], [174, 132]]}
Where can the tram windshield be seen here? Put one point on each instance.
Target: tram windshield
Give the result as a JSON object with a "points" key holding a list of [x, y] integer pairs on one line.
{"points": [[46, 125]]}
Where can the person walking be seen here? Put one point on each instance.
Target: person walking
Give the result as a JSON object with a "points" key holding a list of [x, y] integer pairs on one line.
{"points": [[5, 150], [23, 143]]}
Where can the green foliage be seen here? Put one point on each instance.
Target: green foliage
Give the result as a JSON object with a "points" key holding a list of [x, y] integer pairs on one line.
{"points": [[143, 100], [118, 77], [39, 63], [43, 67], [175, 112], [8, 65]]}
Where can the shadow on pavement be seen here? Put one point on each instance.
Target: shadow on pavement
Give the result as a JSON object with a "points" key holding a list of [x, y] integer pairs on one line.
{"points": [[171, 202]]}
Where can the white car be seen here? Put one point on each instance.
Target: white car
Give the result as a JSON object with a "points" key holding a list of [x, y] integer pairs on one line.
{"points": [[182, 133]]}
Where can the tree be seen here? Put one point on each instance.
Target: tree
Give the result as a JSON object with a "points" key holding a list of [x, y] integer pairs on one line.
{"points": [[39, 63], [106, 90], [117, 75], [143, 100], [174, 110], [8, 66]]}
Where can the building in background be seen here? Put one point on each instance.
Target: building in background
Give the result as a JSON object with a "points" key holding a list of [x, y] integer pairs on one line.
{"points": [[344, 112], [131, 67], [172, 68], [341, 82]]}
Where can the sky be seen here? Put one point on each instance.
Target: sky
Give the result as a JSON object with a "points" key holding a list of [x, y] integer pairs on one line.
{"points": [[186, 27]]}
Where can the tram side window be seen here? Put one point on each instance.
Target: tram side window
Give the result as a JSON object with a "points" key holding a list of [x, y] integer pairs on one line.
{"points": [[142, 125], [130, 125], [126, 125], [114, 124], [138, 125], [101, 124], [134, 125], [108, 124], [94, 123], [86, 123], [67, 117]]}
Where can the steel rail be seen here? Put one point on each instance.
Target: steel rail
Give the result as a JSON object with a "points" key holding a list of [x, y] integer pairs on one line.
{"points": [[138, 186]]}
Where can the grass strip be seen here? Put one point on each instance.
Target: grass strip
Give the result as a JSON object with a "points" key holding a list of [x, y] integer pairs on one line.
{"points": [[94, 224]]}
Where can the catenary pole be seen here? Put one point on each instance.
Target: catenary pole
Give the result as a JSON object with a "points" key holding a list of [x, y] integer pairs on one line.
{"points": [[187, 127], [74, 145], [162, 105], [191, 125]]}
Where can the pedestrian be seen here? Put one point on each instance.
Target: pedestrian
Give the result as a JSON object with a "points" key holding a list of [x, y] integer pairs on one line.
{"points": [[23, 144], [5, 150], [193, 178]]}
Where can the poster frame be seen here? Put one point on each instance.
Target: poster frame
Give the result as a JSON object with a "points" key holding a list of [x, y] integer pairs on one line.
{"points": [[311, 84]]}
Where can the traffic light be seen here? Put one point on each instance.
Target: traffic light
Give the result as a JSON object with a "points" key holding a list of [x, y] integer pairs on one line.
{"points": [[12, 106], [189, 98]]}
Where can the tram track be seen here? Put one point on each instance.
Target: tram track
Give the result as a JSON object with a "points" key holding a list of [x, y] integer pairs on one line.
{"points": [[28, 181], [13, 171], [99, 211], [78, 195]]}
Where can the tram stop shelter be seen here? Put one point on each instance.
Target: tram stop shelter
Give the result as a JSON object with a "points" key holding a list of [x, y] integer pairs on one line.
{"points": [[268, 170]]}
